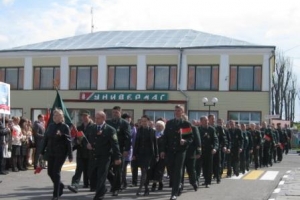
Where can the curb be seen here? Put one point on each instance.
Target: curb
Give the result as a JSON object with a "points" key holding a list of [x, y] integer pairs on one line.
{"points": [[282, 181]]}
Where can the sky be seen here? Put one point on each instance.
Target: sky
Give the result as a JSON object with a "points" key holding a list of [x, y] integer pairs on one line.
{"points": [[264, 22]]}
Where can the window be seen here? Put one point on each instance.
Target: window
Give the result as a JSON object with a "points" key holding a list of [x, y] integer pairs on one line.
{"points": [[203, 78], [37, 111], [128, 111], [161, 77], [75, 115], [83, 77], [16, 112], [44, 77], [245, 117], [155, 114], [122, 78], [196, 115], [13, 76], [245, 78]]}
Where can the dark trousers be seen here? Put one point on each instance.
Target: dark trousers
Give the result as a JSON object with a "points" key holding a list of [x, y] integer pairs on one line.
{"points": [[217, 165], [115, 175], [98, 172], [2, 160], [266, 157], [255, 157], [134, 172], [81, 167], [287, 147], [207, 166], [243, 161], [275, 154], [223, 158], [55, 164], [175, 162], [279, 154], [229, 164], [260, 155], [247, 159], [124, 173], [198, 167], [156, 171], [38, 148], [189, 165], [235, 159]]}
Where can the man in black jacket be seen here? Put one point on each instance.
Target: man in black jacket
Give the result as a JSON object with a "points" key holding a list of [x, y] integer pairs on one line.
{"points": [[124, 138]]}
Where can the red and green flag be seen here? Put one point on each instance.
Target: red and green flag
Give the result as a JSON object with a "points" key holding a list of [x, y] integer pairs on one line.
{"points": [[186, 131]]}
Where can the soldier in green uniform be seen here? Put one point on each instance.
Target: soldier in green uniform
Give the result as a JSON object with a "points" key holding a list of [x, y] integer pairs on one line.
{"points": [[274, 148], [104, 147], [289, 137], [282, 141], [210, 145], [124, 138], [193, 152], [237, 142], [268, 141], [177, 137], [256, 139], [220, 125], [82, 156], [222, 147], [245, 154]]}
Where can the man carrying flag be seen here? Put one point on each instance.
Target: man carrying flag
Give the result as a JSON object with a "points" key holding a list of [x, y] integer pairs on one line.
{"points": [[82, 156]]}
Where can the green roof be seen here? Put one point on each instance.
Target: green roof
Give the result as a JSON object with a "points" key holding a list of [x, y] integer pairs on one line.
{"points": [[140, 39]]}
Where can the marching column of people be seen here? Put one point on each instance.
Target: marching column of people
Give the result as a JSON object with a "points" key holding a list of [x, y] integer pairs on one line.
{"points": [[175, 145]]}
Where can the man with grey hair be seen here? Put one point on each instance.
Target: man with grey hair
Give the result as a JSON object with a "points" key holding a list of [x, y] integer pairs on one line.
{"points": [[103, 143]]}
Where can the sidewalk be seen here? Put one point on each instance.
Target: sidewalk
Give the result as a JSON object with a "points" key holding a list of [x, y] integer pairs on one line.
{"points": [[289, 186]]}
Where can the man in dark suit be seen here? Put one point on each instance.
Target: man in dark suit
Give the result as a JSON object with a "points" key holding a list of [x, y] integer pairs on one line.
{"points": [[124, 138], [82, 156], [38, 134], [104, 148], [177, 137]]}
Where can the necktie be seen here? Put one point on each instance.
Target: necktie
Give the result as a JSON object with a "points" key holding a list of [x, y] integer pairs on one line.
{"points": [[98, 128]]}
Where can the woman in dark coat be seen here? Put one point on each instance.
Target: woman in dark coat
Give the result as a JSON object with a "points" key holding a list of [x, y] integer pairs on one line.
{"points": [[57, 141], [145, 151]]}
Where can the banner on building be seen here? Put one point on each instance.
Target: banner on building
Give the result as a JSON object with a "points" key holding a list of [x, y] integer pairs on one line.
{"points": [[4, 98], [123, 96]]}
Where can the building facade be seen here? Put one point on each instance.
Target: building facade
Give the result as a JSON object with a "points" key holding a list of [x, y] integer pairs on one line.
{"points": [[144, 72]]}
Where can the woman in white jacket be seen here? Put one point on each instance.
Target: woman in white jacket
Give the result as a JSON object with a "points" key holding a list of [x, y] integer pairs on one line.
{"points": [[16, 145]]}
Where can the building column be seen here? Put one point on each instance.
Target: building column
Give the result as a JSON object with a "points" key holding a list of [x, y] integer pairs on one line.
{"points": [[28, 73], [64, 73], [102, 73], [265, 73], [183, 72], [141, 72], [224, 73]]}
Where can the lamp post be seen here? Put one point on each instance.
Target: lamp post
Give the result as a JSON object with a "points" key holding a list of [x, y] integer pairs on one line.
{"points": [[214, 101]]}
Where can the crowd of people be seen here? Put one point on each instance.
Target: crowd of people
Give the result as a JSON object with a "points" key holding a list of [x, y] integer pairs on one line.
{"points": [[106, 148]]}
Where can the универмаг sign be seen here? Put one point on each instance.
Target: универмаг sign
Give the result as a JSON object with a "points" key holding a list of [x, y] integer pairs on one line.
{"points": [[123, 96]]}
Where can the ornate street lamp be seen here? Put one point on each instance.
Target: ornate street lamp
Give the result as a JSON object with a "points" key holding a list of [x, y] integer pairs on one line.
{"points": [[214, 101]]}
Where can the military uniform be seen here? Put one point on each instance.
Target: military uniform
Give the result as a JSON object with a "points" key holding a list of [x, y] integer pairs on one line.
{"points": [[237, 142], [248, 149], [82, 159], [276, 141], [217, 157], [175, 152], [256, 139], [282, 139], [209, 141], [268, 142], [105, 148], [244, 155], [124, 138], [190, 158], [289, 137]]}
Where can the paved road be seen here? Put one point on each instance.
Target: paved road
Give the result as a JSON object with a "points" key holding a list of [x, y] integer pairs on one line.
{"points": [[255, 185]]}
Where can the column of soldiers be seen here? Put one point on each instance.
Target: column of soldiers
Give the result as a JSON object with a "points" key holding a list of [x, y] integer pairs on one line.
{"points": [[176, 145]]}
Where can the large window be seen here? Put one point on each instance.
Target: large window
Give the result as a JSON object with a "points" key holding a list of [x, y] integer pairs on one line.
{"points": [[108, 113], [37, 111], [162, 77], [196, 115], [203, 78], [155, 114], [121, 78], [245, 78], [83, 77], [44, 77], [13, 76], [245, 117], [16, 112]]}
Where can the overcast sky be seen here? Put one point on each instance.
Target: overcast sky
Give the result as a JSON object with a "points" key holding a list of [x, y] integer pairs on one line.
{"points": [[265, 22]]}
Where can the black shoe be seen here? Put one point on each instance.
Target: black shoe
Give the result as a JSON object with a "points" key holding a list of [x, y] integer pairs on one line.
{"points": [[206, 186], [146, 193], [173, 197], [92, 189], [195, 186], [153, 188], [138, 192], [72, 188], [61, 190], [218, 181], [115, 193], [160, 186], [180, 189], [15, 170], [85, 186], [3, 173]]}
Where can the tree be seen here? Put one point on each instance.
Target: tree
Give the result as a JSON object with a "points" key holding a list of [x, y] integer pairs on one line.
{"points": [[284, 90]]}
